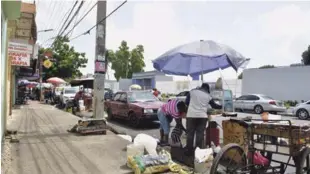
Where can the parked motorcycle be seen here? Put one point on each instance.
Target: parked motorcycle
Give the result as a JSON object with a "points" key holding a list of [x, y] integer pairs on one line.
{"points": [[70, 105]]}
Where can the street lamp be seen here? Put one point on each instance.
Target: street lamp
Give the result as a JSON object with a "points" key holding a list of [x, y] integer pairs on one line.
{"points": [[40, 65], [47, 30]]}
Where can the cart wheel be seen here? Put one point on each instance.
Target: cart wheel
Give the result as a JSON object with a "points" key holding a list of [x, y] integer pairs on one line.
{"points": [[303, 162], [230, 160]]}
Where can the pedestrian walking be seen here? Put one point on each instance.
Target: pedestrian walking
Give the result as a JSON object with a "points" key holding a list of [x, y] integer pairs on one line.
{"points": [[173, 109], [196, 120]]}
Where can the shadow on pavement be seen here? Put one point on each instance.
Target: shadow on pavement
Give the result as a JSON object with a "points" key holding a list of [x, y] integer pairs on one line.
{"points": [[144, 125]]}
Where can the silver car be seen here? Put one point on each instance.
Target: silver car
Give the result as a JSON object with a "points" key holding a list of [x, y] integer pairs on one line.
{"points": [[258, 103], [302, 110]]}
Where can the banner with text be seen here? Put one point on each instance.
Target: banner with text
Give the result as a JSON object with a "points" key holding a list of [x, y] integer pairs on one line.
{"points": [[19, 54]]}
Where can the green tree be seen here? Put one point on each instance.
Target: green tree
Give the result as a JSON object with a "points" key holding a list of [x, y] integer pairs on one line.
{"points": [[125, 62], [267, 66], [66, 61], [306, 56]]}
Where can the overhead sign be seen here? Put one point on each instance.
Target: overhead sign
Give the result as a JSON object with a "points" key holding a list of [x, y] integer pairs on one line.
{"points": [[20, 48], [47, 63], [19, 53], [19, 59]]}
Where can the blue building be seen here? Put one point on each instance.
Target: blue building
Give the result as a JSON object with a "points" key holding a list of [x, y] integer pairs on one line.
{"points": [[147, 80]]}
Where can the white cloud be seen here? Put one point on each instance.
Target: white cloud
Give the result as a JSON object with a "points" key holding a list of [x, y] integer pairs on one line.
{"points": [[286, 28], [285, 21], [155, 26]]}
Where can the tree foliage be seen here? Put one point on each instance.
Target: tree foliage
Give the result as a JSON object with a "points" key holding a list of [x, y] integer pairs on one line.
{"points": [[66, 61], [240, 76], [306, 56], [267, 66], [125, 62]]}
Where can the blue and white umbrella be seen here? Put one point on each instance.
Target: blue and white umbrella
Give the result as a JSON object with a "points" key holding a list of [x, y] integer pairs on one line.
{"points": [[198, 58]]}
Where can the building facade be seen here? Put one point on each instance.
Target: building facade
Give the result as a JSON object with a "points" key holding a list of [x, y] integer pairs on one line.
{"points": [[147, 80], [17, 26], [10, 10], [281, 83]]}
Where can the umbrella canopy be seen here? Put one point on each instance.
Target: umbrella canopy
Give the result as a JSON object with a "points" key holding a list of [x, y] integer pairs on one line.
{"points": [[86, 82], [32, 84], [23, 82], [135, 86], [198, 58], [56, 80], [44, 85]]}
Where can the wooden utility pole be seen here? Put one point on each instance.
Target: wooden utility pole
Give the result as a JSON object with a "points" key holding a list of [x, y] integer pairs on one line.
{"points": [[100, 60]]}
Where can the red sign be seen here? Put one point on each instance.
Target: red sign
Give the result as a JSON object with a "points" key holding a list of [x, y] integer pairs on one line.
{"points": [[19, 59], [100, 67]]}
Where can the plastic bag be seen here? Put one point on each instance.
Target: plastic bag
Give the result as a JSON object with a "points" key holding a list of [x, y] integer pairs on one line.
{"points": [[149, 143], [148, 164]]}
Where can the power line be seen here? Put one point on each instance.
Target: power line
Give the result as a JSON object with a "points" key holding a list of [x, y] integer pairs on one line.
{"points": [[74, 15], [83, 17], [65, 22], [88, 31]]}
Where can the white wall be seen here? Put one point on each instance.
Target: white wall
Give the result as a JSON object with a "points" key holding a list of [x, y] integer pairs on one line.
{"points": [[175, 87], [282, 83]]}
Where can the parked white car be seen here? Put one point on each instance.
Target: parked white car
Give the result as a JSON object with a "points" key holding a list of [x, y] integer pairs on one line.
{"points": [[68, 93], [302, 110], [258, 103]]}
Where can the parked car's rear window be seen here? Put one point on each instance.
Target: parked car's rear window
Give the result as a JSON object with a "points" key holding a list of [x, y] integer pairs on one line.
{"points": [[266, 97], [141, 96]]}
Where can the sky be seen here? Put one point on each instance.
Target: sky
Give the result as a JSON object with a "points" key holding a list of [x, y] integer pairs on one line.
{"points": [[273, 33]]}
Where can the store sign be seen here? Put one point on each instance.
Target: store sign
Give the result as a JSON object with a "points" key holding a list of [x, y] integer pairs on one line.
{"points": [[47, 63], [19, 54], [19, 47], [19, 59]]}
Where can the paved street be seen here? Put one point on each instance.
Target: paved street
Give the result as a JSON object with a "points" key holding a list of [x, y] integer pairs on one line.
{"points": [[152, 128], [46, 147]]}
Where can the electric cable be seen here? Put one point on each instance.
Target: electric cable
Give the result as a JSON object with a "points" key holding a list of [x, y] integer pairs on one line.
{"points": [[88, 31], [61, 29], [72, 18], [82, 18]]}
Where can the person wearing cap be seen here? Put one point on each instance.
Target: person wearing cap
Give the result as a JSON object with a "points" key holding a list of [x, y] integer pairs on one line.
{"points": [[196, 119]]}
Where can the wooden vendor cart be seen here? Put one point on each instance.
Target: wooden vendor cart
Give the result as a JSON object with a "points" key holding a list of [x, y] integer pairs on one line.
{"points": [[250, 145]]}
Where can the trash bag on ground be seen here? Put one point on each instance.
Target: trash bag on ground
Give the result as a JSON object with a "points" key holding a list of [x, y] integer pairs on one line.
{"points": [[148, 141], [203, 160], [148, 164]]}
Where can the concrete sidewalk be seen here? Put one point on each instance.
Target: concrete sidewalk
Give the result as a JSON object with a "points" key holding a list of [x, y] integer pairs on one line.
{"points": [[46, 147]]}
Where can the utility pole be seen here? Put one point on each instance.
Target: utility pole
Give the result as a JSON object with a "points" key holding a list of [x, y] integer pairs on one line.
{"points": [[40, 59], [100, 61]]}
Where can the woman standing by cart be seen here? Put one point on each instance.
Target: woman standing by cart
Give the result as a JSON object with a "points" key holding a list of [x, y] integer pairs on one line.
{"points": [[198, 101]]}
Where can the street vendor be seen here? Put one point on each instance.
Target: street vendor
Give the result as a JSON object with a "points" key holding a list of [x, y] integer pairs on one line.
{"points": [[173, 109], [78, 96], [196, 119]]}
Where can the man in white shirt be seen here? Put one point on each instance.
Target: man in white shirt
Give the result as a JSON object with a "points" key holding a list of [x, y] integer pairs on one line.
{"points": [[198, 101]]}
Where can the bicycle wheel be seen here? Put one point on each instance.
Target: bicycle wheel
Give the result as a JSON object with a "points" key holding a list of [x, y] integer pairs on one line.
{"points": [[230, 160]]}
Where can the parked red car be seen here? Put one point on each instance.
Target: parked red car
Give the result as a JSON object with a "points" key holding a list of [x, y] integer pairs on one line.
{"points": [[134, 106]]}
